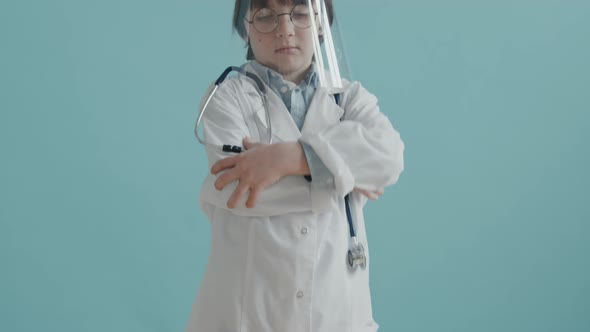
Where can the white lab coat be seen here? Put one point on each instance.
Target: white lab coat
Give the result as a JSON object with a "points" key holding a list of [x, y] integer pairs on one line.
{"points": [[281, 266]]}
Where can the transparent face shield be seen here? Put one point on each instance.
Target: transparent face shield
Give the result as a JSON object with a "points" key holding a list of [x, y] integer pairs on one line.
{"points": [[294, 39]]}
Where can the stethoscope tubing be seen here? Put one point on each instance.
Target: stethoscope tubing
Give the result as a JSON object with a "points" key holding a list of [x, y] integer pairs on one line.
{"points": [[261, 91]]}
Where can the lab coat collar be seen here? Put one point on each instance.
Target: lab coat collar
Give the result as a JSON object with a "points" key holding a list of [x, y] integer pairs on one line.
{"points": [[322, 112]]}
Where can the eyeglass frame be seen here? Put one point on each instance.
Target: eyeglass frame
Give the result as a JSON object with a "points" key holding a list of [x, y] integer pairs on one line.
{"points": [[277, 20]]}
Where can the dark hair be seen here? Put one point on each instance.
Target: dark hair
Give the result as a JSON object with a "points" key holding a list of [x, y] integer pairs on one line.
{"points": [[242, 6]]}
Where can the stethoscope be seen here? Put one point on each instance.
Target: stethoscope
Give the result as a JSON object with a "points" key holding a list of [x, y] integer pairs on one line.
{"points": [[261, 91], [356, 252]]}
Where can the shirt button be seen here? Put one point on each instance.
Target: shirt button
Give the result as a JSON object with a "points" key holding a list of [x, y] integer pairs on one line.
{"points": [[284, 89], [304, 230], [300, 294]]}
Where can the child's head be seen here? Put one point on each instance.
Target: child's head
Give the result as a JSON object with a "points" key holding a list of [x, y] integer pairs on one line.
{"points": [[278, 33]]}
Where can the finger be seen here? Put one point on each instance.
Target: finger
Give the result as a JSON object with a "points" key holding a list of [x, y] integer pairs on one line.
{"points": [[224, 163], [362, 191], [225, 178], [253, 198], [380, 191], [235, 197], [373, 196], [369, 194], [248, 144]]}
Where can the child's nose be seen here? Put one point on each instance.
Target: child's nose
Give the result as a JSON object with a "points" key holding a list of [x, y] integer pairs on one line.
{"points": [[285, 26]]}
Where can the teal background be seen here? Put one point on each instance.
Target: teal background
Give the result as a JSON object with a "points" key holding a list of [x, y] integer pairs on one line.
{"points": [[486, 230]]}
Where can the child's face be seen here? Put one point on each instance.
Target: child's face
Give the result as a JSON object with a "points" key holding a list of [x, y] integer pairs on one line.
{"points": [[288, 49]]}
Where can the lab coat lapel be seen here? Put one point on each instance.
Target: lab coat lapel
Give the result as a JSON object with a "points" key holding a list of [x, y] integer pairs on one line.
{"points": [[283, 126], [322, 112]]}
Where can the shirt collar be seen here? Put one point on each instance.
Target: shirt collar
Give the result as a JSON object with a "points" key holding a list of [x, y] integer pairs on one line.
{"points": [[273, 79]]}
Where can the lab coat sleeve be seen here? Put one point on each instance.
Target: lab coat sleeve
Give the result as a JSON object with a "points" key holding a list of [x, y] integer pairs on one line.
{"points": [[363, 150], [320, 174], [224, 123]]}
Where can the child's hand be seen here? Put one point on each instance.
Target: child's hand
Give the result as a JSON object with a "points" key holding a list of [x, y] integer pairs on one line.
{"points": [[260, 166], [372, 195]]}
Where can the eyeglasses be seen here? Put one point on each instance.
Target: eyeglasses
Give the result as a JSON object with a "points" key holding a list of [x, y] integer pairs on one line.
{"points": [[266, 20]]}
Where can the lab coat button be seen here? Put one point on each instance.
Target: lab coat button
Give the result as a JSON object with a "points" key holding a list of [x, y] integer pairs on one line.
{"points": [[300, 294], [304, 230]]}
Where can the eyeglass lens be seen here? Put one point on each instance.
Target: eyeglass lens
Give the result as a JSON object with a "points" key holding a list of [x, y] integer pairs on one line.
{"points": [[266, 20]]}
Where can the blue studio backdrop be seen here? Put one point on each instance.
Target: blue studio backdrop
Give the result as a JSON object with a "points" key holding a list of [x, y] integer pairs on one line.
{"points": [[487, 229]]}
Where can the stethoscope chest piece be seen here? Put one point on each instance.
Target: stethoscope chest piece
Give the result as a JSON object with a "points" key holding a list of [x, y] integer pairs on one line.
{"points": [[356, 256], [356, 251]]}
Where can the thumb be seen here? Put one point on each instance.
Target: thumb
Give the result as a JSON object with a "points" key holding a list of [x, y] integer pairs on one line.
{"points": [[248, 143]]}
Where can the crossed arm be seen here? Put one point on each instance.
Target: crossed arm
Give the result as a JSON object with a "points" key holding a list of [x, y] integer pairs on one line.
{"points": [[256, 173], [262, 165]]}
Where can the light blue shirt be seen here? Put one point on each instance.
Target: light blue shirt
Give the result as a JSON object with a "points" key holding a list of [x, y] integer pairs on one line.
{"points": [[297, 99]]}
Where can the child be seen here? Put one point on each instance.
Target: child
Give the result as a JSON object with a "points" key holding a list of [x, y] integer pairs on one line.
{"points": [[279, 231]]}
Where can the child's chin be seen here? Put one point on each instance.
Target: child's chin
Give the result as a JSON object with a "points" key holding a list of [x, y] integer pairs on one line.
{"points": [[292, 63]]}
